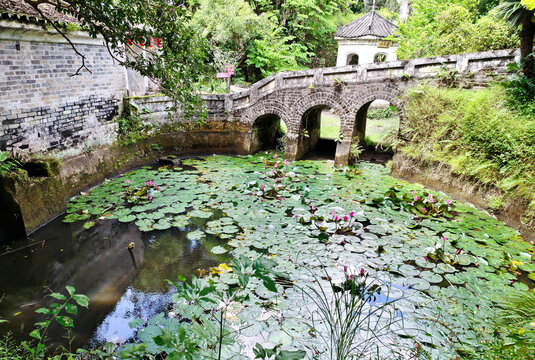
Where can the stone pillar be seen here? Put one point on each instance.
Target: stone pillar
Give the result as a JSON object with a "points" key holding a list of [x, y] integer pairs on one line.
{"points": [[291, 148], [342, 153]]}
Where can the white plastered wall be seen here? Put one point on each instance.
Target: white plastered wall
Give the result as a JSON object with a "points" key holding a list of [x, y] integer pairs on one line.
{"points": [[365, 47]]}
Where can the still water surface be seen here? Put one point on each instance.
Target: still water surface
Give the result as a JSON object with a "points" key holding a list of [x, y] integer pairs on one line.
{"points": [[122, 284]]}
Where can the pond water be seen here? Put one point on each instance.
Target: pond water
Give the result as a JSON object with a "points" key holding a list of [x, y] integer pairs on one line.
{"points": [[446, 262], [122, 285]]}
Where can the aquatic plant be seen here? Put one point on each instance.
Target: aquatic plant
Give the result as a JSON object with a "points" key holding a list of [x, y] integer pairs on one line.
{"points": [[422, 204], [349, 310], [480, 255]]}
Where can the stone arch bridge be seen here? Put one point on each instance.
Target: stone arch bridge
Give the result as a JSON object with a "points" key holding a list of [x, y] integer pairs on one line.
{"points": [[298, 97]]}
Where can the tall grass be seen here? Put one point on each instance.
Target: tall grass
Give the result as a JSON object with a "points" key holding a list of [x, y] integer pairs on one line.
{"points": [[477, 133]]}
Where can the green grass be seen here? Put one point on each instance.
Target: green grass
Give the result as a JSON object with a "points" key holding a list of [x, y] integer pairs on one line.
{"points": [[330, 126], [377, 129]]}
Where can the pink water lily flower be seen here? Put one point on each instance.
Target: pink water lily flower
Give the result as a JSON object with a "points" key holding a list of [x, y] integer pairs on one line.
{"points": [[444, 238], [286, 162], [149, 197], [362, 272], [423, 210], [448, 201], [345, 268], [352, 213], [425, 258], [276, 165], [262, 187], [416, 198], [334, 213], [127, 181], [345, 218], [275, 156], [336, 218]]}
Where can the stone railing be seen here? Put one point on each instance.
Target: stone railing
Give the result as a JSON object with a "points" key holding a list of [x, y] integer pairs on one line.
{"points": [[463, 64], [417, 68]]}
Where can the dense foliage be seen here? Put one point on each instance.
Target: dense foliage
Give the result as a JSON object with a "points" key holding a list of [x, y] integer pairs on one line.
{"points": [[451, 27], [522, 13], [261, 37], [478, 134]]}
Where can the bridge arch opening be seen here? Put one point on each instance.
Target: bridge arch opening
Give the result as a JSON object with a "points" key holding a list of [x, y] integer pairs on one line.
{"points": [[320, 132], [375, 129], [269, 132]]}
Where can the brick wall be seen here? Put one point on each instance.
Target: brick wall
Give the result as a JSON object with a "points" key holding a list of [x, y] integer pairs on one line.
{"points": [[43, 107]]}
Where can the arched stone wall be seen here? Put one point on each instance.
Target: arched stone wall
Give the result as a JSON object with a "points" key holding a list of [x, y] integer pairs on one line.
{"points": [[264, 108], [309, 105], [360, 100], [360, 109]]}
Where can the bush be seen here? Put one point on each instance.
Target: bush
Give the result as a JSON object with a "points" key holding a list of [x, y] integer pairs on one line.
{"points": [[382, 113], [520, 94]]}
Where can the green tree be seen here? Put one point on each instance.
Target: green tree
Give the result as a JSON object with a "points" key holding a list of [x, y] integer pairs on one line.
{"points": [[439, 27], [173, 62], [522, 13], [309, 23], [274, 52], [229, 26]]}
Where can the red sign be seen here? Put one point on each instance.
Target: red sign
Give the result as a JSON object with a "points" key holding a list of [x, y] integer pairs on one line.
{"points": [[222, 75], [143, 42], [229, 68]]}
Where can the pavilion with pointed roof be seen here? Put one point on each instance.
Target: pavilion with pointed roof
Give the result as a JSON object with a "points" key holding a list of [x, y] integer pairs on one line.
{"points": [[363, 41]]}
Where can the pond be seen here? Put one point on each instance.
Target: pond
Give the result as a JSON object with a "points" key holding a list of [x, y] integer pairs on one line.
{"points": [[445, 262]]}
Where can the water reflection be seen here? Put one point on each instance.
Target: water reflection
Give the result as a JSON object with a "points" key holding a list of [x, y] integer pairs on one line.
{"points": [[120, 283], [133, 304]]}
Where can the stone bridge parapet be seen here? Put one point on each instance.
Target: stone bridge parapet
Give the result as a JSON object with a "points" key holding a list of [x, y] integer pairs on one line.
{"points": [[297, 97]]}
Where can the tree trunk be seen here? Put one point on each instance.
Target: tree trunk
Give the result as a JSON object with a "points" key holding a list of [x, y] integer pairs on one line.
{"points": [[526, 47]]}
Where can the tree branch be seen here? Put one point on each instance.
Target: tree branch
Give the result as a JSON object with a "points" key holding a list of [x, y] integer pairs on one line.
{"points": [[35, 5]]}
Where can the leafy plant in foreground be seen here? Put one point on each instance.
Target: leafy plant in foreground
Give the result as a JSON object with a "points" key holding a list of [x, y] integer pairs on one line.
{"points": [[7, 165], [59, 312], [205, 306]]}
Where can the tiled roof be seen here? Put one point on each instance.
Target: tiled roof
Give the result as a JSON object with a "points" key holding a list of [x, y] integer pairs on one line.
{"points": [[20, 11], [371, 24]]}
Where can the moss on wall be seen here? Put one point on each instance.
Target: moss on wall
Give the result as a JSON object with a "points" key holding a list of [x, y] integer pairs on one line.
{"points": [[41, 198]]}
